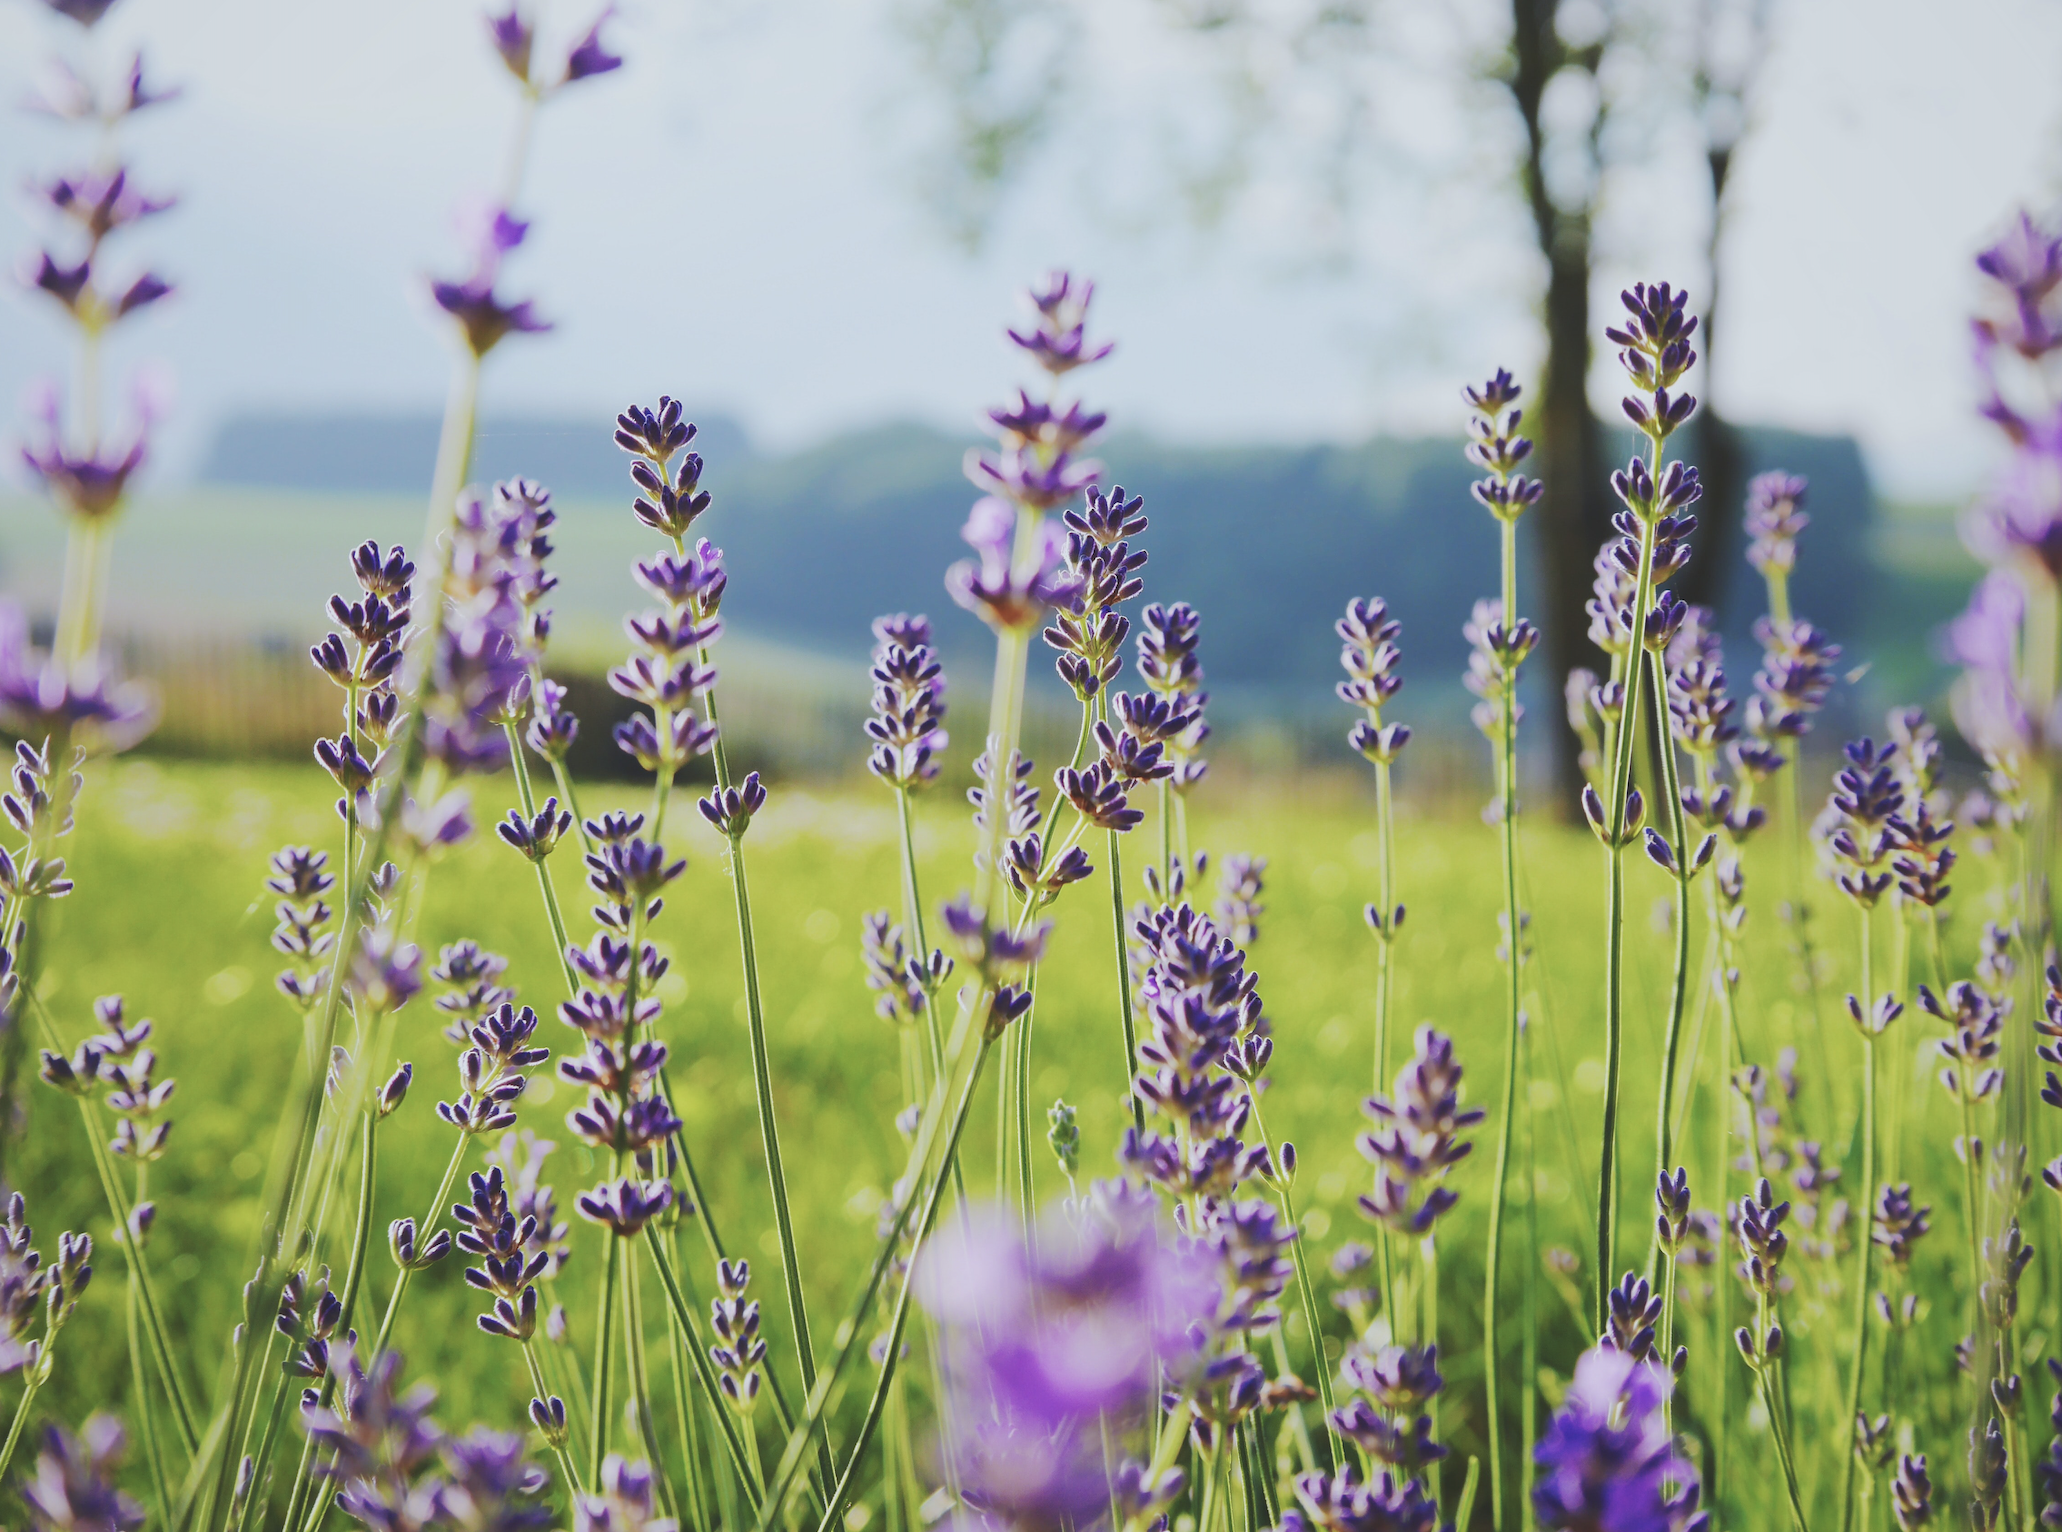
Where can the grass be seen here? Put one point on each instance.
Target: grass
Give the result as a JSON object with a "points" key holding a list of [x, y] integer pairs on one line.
{"points": [[170, 859]]}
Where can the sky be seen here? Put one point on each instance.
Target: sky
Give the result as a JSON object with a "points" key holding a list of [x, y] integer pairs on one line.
{"points": [[735, 218]]}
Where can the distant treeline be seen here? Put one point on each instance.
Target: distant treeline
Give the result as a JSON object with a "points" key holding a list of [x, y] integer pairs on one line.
{"points": [[1269, 542]]}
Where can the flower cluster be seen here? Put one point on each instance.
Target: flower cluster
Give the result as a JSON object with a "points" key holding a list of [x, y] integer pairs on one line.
{"points": [[74, 1486], [908, 722], [1204, 1038], [366, 666], [398, 1471], [1417, 1139], [615, 1011], [1608, 1460], [1089, 632], [29, 1289], [669, 670], [87, 208], [493, 629], [1044, 1338], [1020, 570]]}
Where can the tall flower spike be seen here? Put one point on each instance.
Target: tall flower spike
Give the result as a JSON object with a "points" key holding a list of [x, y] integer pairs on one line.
{"points": [[907, 726]]}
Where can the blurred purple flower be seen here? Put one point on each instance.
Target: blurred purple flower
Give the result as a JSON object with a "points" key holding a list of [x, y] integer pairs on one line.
{"points": [[73, 1489], [1005, 591], [1040, 1341], [1606, 1463]]}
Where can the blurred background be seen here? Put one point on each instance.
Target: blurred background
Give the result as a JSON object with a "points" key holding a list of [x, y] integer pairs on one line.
{"points": [[1311, 223]]}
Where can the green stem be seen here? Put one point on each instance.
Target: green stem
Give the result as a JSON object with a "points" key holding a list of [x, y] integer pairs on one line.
{"points": [[527, 797], [1866, 1237], [790, 1460], [769, 1138], [21, 1418], [640, 1385], [146, 1409], [697, 1353], [1678, 829], [1499, 1187], [1305, 1292], [423, 1232], [1614, 916], [602, 1420], [1124, 1016]]}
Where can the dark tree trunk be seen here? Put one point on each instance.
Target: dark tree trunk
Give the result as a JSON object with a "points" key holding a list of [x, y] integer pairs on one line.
{"points": [[1721, 456], [1573, 514]]}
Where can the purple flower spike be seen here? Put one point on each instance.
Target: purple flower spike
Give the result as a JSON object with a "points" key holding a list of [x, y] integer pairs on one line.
{"points": [[1607, 1462], [588, 57], [732, 809], [513, 35], [1057, 341], [89, 485], [72, 1488], [623, 1501], [1039, 1341], [482, 317], [1005, 590], [625, 1207]]}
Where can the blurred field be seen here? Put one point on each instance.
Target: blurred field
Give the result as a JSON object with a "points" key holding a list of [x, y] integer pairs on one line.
{"points": [[169, 859]]}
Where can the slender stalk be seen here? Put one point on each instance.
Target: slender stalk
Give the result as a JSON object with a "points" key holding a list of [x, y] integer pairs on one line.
{"points": [[1528, 1376], [21, 1418], [1306, 1294], [1679, 838], [1866, 1237], [1614, 914], [424, 1230], [527, 797], [558, 1450], [790, 1460], [689, 1425], [1499, 1187], [600, 1422], [769, 1138], [146, 1408], [1027, 1197], [640, 1385]]}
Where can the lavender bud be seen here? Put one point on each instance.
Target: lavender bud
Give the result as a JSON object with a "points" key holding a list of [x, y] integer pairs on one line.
{"points": [[395, 1090], [549, 1417]]}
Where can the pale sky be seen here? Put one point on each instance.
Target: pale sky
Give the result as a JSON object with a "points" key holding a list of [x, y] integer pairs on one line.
{"points": [[731, 218]]}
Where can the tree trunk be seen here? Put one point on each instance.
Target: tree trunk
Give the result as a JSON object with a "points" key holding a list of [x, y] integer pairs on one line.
{"points": [[1573, 514], [1721, 455]]}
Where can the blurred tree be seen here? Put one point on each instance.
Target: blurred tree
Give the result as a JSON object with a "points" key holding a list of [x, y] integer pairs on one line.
{"points": [[1543, 82]]}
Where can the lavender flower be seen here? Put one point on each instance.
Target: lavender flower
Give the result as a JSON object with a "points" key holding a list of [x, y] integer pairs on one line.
{"points": [[1341, 1503], [1198, 1003], [1040, 1340], [1797, 662], [1239, 909], [1989, 1473], [508, 1268], [1417, 1139], [483, 317], [739, 1352], [73, 1488], [1089, 632], [1911, 1493], [908, 722], [669, 672], [1774, 519], [1607, 1462], [622, 1501], [1864, 806], [1167, 662], [1369, 654]]}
